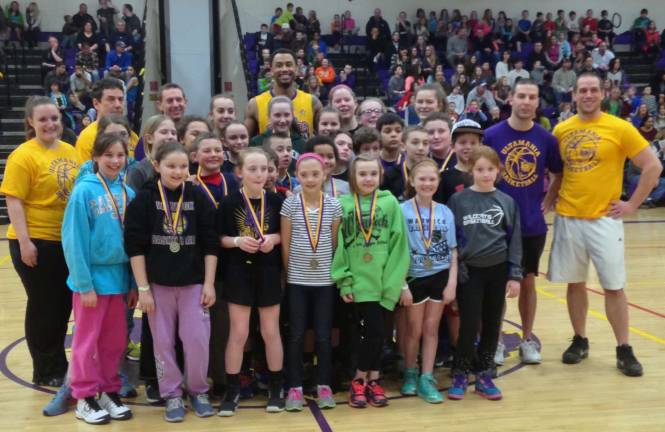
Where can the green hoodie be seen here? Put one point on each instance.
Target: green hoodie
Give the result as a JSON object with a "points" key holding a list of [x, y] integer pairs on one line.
{"points": [[382, 278]]}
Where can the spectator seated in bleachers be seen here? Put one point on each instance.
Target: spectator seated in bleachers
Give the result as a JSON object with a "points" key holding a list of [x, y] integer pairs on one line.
{"points": [[118, 60], [90, 61], [264, 39], [119, 34], [52, 56], [15, 21], [80, 85], [106, 16], [59, 75], [32, 28], [82, 16], [89, 36], [69, 33], [132, 23]]}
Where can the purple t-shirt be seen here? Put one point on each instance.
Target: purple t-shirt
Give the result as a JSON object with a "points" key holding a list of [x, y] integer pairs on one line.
{"points": [[525, 156]]}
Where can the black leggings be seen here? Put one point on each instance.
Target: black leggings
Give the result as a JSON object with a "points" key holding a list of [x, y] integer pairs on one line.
{"points": [[480, 303], [372, 335], [48, 309]]}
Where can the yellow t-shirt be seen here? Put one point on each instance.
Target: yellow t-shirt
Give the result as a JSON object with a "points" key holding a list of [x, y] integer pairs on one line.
{"points": [[43, 179], [593, 154], [87, 138], [302, 109]]}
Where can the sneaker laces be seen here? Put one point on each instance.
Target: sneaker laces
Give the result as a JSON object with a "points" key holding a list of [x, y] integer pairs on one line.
{"points": [[358, 388], [114, 398], [202, 398], [174, 403], [294, 394], [324, 392], [376, 388], [93, 404]]}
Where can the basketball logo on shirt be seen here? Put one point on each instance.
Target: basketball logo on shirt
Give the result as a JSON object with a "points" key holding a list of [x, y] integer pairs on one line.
{"points": [[521, 161], [581, 150], [62, 168]]}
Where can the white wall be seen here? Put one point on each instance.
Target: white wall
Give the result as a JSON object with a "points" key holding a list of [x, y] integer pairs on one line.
{"points": [[255, 12], [53, 11]]}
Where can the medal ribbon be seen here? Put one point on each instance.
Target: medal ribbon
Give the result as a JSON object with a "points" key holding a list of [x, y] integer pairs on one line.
{"points": [[120, 215], [258, 225], [288, 178], [427, 240], [445, 163], [313, 239], [367, 232], [405, 172], [206, 189], [333, 188], [172, 221]]}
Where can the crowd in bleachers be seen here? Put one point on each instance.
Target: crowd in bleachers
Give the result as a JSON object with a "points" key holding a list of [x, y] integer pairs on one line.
{"points": [[88, 48], [476, 60]]}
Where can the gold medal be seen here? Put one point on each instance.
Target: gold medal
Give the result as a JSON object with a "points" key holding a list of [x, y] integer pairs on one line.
{"points": [[174, 247], [427, 239], [368, 257], [171, 220], [313, 264], [427, 263]]}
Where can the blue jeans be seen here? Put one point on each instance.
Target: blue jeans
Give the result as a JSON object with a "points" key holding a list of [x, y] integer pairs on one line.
{"points": [[315, 302]]}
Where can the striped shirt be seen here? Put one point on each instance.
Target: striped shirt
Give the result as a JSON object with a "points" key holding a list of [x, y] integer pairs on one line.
{"points": [[301, 256]]}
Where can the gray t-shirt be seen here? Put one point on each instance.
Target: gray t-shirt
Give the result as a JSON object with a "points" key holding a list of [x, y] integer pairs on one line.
{"points": [[488, 229]]}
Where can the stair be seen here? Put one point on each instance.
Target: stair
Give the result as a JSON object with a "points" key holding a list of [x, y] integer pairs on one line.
{"points": [[639, 69], [22, 78]]}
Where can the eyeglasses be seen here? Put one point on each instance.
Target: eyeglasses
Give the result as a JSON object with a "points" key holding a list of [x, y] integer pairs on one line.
{"points": [[372, 111]]}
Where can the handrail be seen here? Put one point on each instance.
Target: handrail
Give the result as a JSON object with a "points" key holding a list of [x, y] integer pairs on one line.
{"points": [[243, 50]]}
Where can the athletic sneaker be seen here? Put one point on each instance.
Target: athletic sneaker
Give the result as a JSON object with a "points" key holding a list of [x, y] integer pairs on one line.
{"points": [[133, 351], [500, 354], [357, 398], [275, 400], [577, 351], [530, 352], [428, 389], [410, 382], [229, 404], [325, 398], [152, 395], [201, 405], [485, 386], [375, 394], [295, 400], [60, 402], [127, 390], [113, 405], [175, 410], [90, 412], [457, 389], [627, 362]]}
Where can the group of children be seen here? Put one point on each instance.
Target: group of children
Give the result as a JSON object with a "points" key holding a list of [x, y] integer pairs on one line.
{"points": [[212, 218]]}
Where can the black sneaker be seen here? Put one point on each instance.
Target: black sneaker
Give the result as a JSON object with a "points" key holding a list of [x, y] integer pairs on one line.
{"points": [[627, 363], [152, 395], [577, 351], [275, 400], [229, 404]]}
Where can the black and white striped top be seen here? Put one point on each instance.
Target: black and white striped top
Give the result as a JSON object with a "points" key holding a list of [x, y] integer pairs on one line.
{"points": [[301, 255]]}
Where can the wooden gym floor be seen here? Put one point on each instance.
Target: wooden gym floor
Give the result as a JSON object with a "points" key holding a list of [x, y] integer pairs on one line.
{"points": [[548, 397]]}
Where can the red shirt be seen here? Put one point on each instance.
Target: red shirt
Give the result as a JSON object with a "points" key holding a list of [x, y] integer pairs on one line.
{"points": [[591, 22]]}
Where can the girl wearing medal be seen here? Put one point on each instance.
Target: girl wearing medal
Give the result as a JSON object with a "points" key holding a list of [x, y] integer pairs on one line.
{"points": [[432, 278], [309, 225], [325, 147], [99, 276], [369, 267], [248, 223], [171, 240]]}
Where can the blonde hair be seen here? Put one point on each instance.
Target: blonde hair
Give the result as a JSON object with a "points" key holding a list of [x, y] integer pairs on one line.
{"points": [[410, 191], [149, 128], [353, 182]]}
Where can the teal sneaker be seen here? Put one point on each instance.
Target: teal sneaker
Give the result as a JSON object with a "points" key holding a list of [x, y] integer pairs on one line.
{"points": [[428, 390], [409, 386], [457, 389], [485, 386]]}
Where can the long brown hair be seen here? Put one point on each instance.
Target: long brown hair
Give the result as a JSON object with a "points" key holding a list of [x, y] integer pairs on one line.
{"points": [[30, 105], [353, 182]]}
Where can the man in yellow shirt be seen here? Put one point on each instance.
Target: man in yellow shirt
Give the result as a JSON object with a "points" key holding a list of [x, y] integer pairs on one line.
{"points": [[108, 97], [588, 226], [306, 107]]}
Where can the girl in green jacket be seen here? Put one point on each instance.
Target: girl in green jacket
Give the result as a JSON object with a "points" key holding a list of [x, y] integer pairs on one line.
{"points": [[369, 268]]}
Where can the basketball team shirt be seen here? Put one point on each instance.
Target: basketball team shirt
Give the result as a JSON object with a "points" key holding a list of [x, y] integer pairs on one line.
{"points": [[42, 179], [443, 238], [301, 255], [303, 110], [593, 154], [87, 138], [525, 155]]}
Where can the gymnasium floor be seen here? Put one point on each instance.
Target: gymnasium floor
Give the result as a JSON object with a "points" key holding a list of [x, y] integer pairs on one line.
{"points": [[548, 397]]}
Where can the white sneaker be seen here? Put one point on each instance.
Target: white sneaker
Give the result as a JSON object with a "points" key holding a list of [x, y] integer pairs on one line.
{"points": [[90, 412], [530, 352], [500, 354], [113, 405]]}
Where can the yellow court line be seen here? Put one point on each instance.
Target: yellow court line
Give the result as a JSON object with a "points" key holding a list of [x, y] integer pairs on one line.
{"points": [[5, 259], [637, 331]]}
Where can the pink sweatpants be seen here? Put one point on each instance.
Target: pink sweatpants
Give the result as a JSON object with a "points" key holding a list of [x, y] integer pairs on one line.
{"points": [[100, 339], [179, 309]]}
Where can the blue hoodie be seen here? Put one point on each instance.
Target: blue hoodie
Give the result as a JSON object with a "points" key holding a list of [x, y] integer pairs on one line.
{"points": [[92, 239]]}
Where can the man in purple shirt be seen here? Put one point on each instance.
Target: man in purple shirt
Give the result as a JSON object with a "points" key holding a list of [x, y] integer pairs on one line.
{"points": [[527, 151]]}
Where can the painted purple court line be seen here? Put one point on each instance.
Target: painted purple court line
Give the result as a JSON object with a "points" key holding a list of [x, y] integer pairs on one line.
{"points": [[318, 416]]}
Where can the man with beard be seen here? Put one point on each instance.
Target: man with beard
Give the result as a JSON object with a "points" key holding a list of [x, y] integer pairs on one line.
{"points": [[306, 107], [526, 151]]}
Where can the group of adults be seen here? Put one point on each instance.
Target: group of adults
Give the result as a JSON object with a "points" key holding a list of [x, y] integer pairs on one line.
{"points": [[588, 224]]}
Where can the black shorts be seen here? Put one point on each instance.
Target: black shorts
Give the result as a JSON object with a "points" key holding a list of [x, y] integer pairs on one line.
{"points": [[532, 249], [254, 287], [429, 287]]}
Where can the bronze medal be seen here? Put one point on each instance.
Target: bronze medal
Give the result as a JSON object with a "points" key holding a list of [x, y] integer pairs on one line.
{"points": [[427, 263], [368, 257], [313, 264], [174, 247]]}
